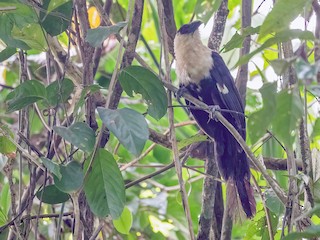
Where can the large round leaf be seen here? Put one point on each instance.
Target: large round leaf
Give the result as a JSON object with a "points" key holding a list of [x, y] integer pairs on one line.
{"points": [[104, 186], [129, 126]]}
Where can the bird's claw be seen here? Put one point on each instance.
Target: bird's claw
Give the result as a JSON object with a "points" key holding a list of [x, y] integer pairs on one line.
{"points": [[179, 94], [213, 109]]}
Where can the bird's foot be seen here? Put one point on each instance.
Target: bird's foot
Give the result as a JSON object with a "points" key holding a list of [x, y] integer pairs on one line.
{"points": [[182, 90], [213, 109]]}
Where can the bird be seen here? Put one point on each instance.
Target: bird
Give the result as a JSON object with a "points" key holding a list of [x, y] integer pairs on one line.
{"points": [[204, 75]]}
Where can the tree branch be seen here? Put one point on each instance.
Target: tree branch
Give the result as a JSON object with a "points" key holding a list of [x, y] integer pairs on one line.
{"points": [[218, 28], [242, 76]]}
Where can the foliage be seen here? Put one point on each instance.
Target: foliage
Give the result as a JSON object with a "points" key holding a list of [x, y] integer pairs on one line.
{"points": [[84, 128]]}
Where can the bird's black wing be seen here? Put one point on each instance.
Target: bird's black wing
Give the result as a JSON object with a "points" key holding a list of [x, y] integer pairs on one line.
{"points": [[228, 92]]}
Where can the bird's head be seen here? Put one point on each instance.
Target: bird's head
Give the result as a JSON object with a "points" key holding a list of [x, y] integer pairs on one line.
{"points": [[188, 36], [189, 29]]}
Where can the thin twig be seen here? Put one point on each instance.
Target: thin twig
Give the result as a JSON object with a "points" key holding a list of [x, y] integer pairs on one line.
{"points": [[175, 150], [269, 224]]}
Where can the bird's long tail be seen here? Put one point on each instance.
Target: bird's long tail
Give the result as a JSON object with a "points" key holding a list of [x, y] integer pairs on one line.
{"points": [[240, 199]]}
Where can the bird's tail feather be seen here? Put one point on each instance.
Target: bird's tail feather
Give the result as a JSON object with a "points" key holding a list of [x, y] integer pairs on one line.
{"points": [[240, 199]]}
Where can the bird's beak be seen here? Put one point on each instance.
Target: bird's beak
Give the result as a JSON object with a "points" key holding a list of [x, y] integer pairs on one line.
{"points": [[194, 25]]}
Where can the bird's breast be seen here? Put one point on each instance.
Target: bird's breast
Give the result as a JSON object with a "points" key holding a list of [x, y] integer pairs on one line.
{"points": [[194, 64]]}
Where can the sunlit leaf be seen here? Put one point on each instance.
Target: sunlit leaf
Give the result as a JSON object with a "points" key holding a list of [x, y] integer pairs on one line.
{"points": [[72, 177], [129, 126], [104, 186], [95, 37], [52, 195], [5, 199], [283, 36], [124, 222], [282, 13], [316, 129], [79, 134], [25, 94], [6, 146], [141, 80]]}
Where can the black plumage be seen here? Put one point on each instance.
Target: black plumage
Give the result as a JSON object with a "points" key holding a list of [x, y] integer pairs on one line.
{"points": [[214, 85]]}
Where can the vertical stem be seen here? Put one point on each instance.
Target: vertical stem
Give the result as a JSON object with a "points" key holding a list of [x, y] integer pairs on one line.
{"points": [[178, 165]]}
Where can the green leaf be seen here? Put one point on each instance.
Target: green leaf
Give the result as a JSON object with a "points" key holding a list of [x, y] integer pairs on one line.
{"points": [[6, 146], [95, 37], [193, 139], [306, 71], [280, 65], [283, 36], [32, 35], [15, 14], [104, 186], [57, 16], [52, 195], [282, 14], [235, 42], [315, 90], [6, 53], [311, 232], [25, 94], [78, 134], [289, 111], [316, 129], [59, 91], [52, 167], [237, 39], [72, 177], [129, 126], [5, 200], [84, 93], [258, 228], [205, 9], [260, 120], [273, 202], [124, 222], [143, 81]]}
